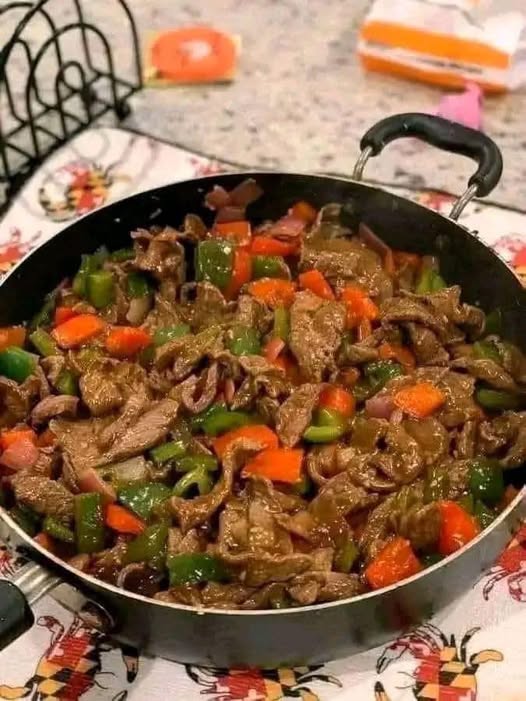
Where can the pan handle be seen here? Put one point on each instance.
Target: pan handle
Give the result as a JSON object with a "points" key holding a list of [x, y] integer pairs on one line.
{"points": [[29, 584], [445, 135]]}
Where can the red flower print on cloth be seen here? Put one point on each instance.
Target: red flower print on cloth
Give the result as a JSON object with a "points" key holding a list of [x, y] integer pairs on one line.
{"points": [[15, 248], [69, 666], [264, 685], [444, 671], [204, 167], [510, 566]]}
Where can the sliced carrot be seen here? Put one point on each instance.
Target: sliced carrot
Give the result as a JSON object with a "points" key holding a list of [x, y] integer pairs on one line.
{"points": [[46, 439], [77, 330], [394, 351], [402, 258], [238, 232], [273, 348], [126, 341], [62, 314], [419, 400], [273, 291], [46, 541], [7, 438], [123, 521], [314, 281], [389, 264], [277, 464], [12, 336], [304, 210], [337, 399], [267, 246], [256, 432], [359, 305], [509, 494], [457, 527], [241, 272], [396, 561]]}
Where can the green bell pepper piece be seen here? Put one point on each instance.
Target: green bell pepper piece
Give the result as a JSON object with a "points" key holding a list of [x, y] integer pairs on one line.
{"points": [[346, 556], [199, 477], [67, 383], [281, 324], [269, 266], [377, 375], [169, 333], [27, 519], [244, 341], [496, 400], [329, 417], [436, 484], [467, 502], [493, 323], [44, 343], [214, 262], [100, 288], [137, 285], [197, 421], [483, 515], [57, 530], [194, 568], [44, 317], [167, 451], [323, 434], [191, 462], [429, 281], [122, 254], [485, 350], [88, 264], [149, 546], [303, 487], [17, 364], [486, 480], [223, 420], [143, 498], [89, 522]]}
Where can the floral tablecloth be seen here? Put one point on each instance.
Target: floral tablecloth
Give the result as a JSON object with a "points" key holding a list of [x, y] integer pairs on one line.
{"points": [[473, 650]]}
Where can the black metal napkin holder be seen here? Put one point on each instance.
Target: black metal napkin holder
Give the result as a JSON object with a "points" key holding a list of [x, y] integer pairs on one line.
{"points": [[36, 119]]}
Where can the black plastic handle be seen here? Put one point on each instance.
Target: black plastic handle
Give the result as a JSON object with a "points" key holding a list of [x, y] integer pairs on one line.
{"points": [[15, 614], [446, 135]]}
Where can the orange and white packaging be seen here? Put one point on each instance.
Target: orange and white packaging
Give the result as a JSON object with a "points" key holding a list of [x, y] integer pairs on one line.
{"points": [[448, 42]]}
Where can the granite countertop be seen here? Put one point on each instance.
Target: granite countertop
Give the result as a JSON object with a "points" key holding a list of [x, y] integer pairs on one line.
{"points": [[300, 100]]}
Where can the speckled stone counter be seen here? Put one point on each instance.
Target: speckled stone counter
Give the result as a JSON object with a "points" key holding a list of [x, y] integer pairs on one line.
{"points": [[301, 100]]}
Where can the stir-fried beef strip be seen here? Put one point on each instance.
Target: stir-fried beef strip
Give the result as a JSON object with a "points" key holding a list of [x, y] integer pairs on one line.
{"points": [[313, 416]]}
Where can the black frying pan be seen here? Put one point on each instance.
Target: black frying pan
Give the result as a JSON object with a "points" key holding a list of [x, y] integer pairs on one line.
{"points": [[311, 634]]}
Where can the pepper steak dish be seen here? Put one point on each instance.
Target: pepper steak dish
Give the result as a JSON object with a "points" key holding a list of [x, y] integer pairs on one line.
{"points": [[259, 416]]}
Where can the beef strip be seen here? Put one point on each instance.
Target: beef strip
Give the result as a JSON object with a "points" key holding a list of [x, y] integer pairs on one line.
{"points": [[316, 329], [447, 302], [99, 391], [78, 439], [54, 405], [486, 370], [161, 255], [45, 496], [465, 443], [196, 393], [132, 409], [420, 524], [377, 529], [425, 345], [401, 310], [295, 414], [184, 353], [431, 436], [16, 399], [321, 463], [252, 313], [344, 260], [148, 431], [402, 461], [203, 305], [192, 512]]}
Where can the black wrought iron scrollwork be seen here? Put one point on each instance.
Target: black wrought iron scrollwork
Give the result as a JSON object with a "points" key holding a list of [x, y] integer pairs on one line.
{"points": [[81, 86]]}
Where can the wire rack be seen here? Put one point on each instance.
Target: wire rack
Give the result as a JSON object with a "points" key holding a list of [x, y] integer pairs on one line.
{"points": [[58, 75]]}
